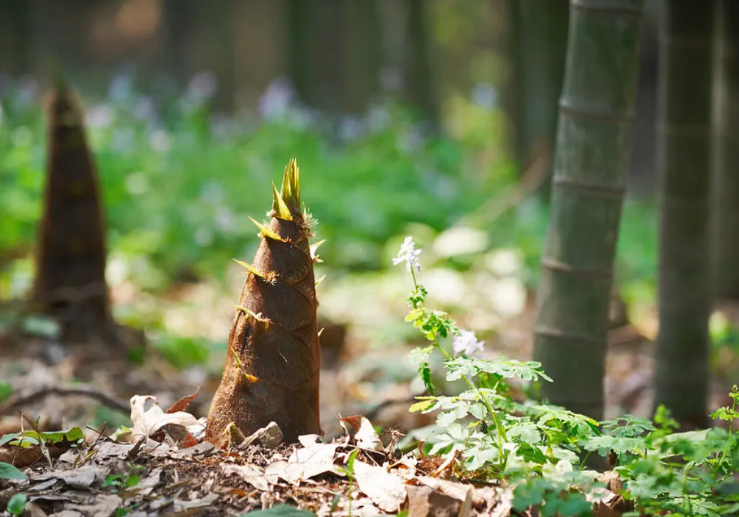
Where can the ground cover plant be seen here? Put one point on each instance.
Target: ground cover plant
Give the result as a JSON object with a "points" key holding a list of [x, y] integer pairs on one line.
{"points": [[542, 450]]}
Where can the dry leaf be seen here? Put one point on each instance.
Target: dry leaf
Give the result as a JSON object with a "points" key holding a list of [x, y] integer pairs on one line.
{"points": [[305, 463], [386, 490], [424, 501], [252, 475], [81, 478], [148, 418], [183, 403], [100, 504], [361, 430], [189, 441], [459, 491]]}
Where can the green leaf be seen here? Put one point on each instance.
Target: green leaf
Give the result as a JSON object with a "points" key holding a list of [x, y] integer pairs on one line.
{"points": [[17, 503], [525, 432], [6, 390], [8, 438], [422, 405], [290, 190], [73, 434], [571, 505], [627, 425], [352, 458], [279, 207], [8, 471], [281, 510], [617, 444], [266, 231]]}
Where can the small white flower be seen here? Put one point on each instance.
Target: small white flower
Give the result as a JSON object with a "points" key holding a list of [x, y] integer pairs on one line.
{"points": [[466, 343], [408, 254]]}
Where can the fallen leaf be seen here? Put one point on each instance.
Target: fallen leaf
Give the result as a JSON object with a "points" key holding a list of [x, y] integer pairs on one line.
{"points": [[101, 504], [35, 510], [424, 501], [188, 442], [281, 510], [252, 475], [315, 460], [40, 487], [305, 463], [504, 504], [459, 491], [357, 507], [147, 484], [181, 505], [385, 489], [80, 478], [361, 430], [148, 418], [203, 449], [25, 456], [183, 403]]}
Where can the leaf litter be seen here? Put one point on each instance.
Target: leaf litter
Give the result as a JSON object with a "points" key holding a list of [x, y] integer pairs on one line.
{"points": [[157, 470]]}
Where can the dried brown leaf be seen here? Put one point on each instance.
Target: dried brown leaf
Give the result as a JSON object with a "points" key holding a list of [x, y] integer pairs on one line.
{"points": [[183, 403]]}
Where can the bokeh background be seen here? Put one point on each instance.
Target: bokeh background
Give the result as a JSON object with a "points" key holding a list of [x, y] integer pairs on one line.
{"points": [[431, 118]]}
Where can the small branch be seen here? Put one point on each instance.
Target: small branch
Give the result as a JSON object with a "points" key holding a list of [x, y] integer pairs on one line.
{"points": [[16, 401]]}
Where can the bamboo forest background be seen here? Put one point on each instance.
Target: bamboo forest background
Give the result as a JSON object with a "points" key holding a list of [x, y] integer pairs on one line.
{"points": [[431, 118]]}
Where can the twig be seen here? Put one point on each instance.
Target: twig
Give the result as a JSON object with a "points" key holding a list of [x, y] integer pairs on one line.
{"points": [[16, 401]]}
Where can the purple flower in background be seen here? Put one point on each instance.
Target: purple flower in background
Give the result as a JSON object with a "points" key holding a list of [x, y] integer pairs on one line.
{"points": [[202, 87], [276, 99]]}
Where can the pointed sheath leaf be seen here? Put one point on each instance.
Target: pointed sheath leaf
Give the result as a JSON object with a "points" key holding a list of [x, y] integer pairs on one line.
{"points": [[290, 190], [320, 280], [279, 207], [249, 378], [251, 269], [254, 315], [266, 231], [314, 248]]}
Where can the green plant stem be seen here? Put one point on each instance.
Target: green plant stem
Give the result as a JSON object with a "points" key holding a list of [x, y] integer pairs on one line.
{"points": [[499, 428], [731, 431]]}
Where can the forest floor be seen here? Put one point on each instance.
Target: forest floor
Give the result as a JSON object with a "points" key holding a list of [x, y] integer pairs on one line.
{"points": [[89, 387], [360, 474]]}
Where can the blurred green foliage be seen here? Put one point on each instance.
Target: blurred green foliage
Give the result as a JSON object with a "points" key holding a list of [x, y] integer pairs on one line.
{"points": [[180, 182]]}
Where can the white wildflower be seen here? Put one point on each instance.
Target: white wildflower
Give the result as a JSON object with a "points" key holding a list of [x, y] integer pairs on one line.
{"points": [[466, 343], [408, 254]]}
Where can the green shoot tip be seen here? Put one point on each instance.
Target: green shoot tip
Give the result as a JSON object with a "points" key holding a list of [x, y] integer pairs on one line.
{"points": [[290, 190], [279, 207]]}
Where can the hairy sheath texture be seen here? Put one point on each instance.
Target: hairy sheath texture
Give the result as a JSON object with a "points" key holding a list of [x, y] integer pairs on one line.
{"points": [[70, 279], [273, 364]]}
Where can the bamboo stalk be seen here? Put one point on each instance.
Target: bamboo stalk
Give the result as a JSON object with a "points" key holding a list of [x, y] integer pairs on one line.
{"points": [[591, 161]]}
